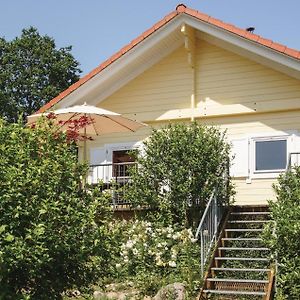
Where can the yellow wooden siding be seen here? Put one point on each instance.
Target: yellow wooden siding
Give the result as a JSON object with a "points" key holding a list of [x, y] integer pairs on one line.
{"points": [[267, 123], [165, 86], [229, 87], [256, 193], [228, 83]]}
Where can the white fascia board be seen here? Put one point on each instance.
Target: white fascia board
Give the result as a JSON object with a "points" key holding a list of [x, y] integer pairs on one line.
{"points": [[243, 43], [121, 63]]}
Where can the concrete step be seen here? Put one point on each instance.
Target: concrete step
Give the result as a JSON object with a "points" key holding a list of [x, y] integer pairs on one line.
{"points": [[241, 213], [224, 292], [242, 239], [244, 230], [243, 249], [242, 258], [240, 270], [248, 221], [237, 280]]}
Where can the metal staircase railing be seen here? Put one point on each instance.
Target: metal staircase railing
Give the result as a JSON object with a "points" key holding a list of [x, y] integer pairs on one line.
{"points": [[208, 228]]}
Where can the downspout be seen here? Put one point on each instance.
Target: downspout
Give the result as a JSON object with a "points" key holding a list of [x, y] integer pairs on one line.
{"points": [[189, 45]]}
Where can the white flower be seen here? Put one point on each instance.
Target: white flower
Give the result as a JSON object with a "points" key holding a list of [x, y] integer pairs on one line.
{"points": [[190, 232], [148, 229], [176, 235], [170, 229], [118, 266], [172, 263], [159, 262], [135, 251], [174, 251], [130, 243]]}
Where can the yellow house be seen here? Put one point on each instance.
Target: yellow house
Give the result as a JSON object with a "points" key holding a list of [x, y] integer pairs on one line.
{"points": [[190, 66]]}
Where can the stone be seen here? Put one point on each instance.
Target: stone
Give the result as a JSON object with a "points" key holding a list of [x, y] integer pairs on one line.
{"points": [[117, 295], [174, 291]]}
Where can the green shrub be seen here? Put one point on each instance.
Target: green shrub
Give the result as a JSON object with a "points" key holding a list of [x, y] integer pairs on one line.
{"points": [[178, 170], [285, 241], [50, 236]]}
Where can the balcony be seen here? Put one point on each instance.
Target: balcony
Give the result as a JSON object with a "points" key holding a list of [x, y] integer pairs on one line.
{"points": [[115, 178]]}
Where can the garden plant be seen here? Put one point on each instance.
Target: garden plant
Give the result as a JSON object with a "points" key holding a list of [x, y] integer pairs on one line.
{"points": [[283, 235], [52, 236]]}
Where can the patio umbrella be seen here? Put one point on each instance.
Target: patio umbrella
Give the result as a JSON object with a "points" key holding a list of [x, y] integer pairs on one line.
{"points": [[102, 121]]}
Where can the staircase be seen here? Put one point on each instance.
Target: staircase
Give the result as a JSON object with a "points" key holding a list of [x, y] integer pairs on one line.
{"points": [[240, 266]]}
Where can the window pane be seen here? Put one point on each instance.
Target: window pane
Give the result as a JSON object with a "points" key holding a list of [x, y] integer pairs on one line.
{"points": [[270, 155]]}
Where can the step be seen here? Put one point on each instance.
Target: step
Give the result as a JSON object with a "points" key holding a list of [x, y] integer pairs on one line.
{"points": [[249, 221], [237, 280], [240, 270], [244, 230], [242, 258], [240, 213], [242, 239], [246, 249], [224, 292]]}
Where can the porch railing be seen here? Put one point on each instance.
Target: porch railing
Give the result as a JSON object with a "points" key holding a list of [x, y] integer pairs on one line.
{"points": [[293, 160], [115, 178]]}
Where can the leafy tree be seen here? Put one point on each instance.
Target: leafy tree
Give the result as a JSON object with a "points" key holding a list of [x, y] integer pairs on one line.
{"points": [[180, 167], [284, 238], [32, 72], [52, 233]]}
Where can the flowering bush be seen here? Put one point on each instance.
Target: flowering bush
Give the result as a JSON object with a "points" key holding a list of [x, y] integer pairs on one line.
{"points": [[166, 253]]}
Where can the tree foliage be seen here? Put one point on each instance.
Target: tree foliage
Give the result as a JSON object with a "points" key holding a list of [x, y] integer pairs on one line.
{"points": [[180, 167], [49, 227], [32, 72], [285, 241]]}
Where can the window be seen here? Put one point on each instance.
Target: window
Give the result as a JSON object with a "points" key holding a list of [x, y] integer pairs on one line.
{"points": [[122, 160], [270, 155]]}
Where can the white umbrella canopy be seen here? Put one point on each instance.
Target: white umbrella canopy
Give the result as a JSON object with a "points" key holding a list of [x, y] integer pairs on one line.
{"points": [[101, 121]]}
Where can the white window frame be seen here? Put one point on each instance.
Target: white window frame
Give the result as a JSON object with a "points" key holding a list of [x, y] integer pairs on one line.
{"points": [[267, 173], [110, 148]]}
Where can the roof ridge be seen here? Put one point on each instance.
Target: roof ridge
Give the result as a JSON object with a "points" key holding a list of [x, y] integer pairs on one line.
{"points": [[180, 9]]}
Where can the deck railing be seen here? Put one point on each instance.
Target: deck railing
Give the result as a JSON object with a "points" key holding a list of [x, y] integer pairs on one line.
{"points": [[115, 177]]}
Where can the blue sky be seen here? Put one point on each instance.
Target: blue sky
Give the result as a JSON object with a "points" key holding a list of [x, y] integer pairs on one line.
{"points": [[96, 28]]}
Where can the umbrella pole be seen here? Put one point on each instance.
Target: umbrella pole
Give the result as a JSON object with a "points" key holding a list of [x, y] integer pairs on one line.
{"points": [[84, 156]]}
